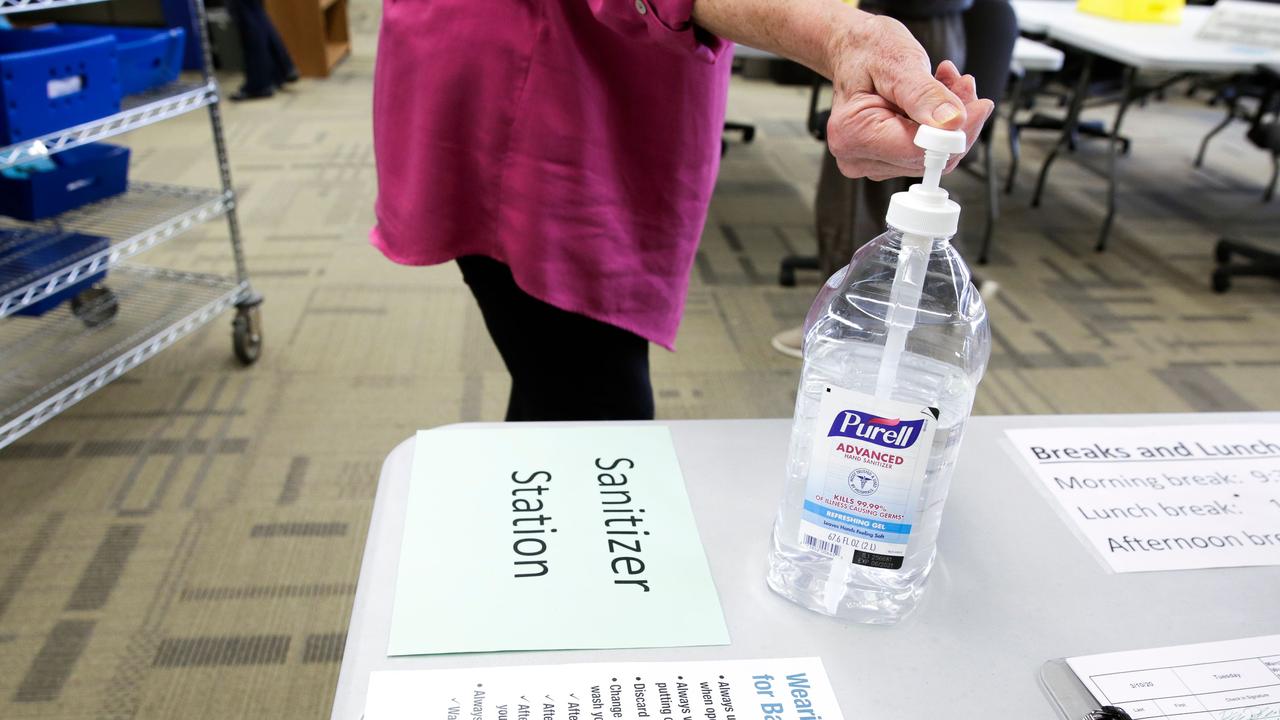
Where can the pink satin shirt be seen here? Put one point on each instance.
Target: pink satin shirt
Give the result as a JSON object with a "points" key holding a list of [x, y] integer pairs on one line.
{"points": [[575, 140]]}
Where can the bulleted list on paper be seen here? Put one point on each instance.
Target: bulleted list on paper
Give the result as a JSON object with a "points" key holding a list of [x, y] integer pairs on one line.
{"points": [[767, 689]]}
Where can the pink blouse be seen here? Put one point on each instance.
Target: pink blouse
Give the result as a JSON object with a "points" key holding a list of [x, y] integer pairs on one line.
{"points": [[575, 140]]}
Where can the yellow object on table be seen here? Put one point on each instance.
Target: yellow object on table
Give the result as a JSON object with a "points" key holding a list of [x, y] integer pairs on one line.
{"points": [[1151, 11]]}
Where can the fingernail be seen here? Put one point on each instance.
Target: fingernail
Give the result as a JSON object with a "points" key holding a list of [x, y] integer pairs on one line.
{"points": [[945, 113]]}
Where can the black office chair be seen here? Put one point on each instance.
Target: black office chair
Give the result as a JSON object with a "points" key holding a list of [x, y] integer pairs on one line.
{"points": [[1106, 79], [991, 31], [747, 130], [1264, 133], [1250, 98], [817, 124], [748, 134]]}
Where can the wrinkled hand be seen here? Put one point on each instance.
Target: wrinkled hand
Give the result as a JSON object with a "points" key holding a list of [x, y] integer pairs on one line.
{"points": [[883, 91]]}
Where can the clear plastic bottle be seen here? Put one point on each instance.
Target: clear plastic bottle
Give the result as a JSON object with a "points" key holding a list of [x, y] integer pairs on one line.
{"points": [[895, 345]]}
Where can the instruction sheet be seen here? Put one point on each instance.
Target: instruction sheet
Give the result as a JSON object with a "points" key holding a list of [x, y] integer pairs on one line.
{"points": [[1232, 680], [772, 689], [550, 538], [1164, 497]]}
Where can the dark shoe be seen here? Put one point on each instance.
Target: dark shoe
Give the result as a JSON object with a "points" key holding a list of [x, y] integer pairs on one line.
{"points": [[242, 94], [291, 77]]}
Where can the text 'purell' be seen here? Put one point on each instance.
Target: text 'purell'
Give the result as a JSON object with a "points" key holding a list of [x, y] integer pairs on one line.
{"points": [[886, 432]]}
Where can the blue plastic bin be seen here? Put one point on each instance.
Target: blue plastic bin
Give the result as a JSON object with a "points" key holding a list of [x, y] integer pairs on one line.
{"points": [[85, 174], [26, 256], [147, 57], [48, 84]]}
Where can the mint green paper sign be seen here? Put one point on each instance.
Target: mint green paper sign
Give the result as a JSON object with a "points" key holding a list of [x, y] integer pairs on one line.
{"points": [[549, 538]]}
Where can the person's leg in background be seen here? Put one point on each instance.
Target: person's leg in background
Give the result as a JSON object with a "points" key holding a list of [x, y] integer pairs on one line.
{"points": [[563, 366], [849, 213], [264, 53], [283, 69]]}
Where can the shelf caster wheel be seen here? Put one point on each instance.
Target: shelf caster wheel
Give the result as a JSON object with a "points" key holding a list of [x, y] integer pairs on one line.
{"points": [[787, 277], [95, 306], [1221, 281], [246, 333]]}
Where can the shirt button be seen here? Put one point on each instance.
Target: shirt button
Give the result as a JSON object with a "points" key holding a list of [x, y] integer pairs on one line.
{"points": [[640, 7]]}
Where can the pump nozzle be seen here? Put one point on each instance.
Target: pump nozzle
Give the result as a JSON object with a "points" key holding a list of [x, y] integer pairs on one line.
{"points": [[939, 146], [925, 209]]}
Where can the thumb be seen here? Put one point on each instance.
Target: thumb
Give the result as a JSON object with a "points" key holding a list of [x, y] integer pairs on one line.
{"points": [[923, 98]]}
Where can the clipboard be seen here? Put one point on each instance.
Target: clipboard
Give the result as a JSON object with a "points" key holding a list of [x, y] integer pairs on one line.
{"points": [[1070, 698]]}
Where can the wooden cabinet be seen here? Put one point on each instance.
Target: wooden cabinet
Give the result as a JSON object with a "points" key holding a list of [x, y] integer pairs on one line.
{"points": [[315, 31]]}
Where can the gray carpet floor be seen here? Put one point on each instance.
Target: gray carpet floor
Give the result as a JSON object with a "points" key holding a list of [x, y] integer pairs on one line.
{"points": [[185, 542]]}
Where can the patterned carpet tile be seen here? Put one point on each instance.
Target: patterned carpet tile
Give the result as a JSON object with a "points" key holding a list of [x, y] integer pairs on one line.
{"points": [[185, 542]]}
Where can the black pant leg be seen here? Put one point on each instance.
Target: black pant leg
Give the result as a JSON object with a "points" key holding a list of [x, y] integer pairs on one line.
{"points": [[252, 23], [281, 62], [563, 366]]}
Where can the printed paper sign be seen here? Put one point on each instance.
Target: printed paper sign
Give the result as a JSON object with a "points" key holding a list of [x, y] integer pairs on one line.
{"points": [[1164, 498], [1228, 680], [772, 689], [549, 538], [1240, 22]]}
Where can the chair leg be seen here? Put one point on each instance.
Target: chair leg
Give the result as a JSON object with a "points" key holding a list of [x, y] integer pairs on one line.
{"points": [[747, 129], [1275, 175], [1204, 144], [1259, 262], [993, 207], [791, 263], [1015, 155], [1015, 148]]}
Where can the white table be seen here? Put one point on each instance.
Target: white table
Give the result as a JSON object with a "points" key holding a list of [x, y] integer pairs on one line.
{"points": [[1145, 46], [1013, 587], [1141, 47], [1034, 56]]}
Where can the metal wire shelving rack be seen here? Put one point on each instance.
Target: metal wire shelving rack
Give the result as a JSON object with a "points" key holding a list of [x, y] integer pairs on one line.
{"points": [[49, 363]]}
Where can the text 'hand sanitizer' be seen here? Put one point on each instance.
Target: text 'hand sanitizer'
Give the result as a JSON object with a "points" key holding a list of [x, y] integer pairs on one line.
{"points": [[894, 347]]}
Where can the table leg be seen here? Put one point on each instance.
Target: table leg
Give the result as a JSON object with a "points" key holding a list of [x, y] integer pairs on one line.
{"points": [[1126, 99], [1068, 126]]}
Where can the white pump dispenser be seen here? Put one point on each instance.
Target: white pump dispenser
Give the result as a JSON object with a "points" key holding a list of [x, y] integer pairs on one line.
{"points": [[926, 209], [922, 213], [889, 377]]}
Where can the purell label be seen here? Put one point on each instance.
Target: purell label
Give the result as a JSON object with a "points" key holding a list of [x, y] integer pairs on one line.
{"points": [[865, 477], [887, 432]]}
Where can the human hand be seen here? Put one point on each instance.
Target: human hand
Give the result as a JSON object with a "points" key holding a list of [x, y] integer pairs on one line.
{"points": [[883, 91]]}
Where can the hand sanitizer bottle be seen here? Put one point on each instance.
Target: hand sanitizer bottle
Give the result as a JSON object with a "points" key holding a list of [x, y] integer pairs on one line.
{"points": [[894, 348]]}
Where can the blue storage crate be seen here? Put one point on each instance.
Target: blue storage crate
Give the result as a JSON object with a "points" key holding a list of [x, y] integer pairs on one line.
{"points": [[49, 84], [147, 57], [83, 175], [26, 256]]}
